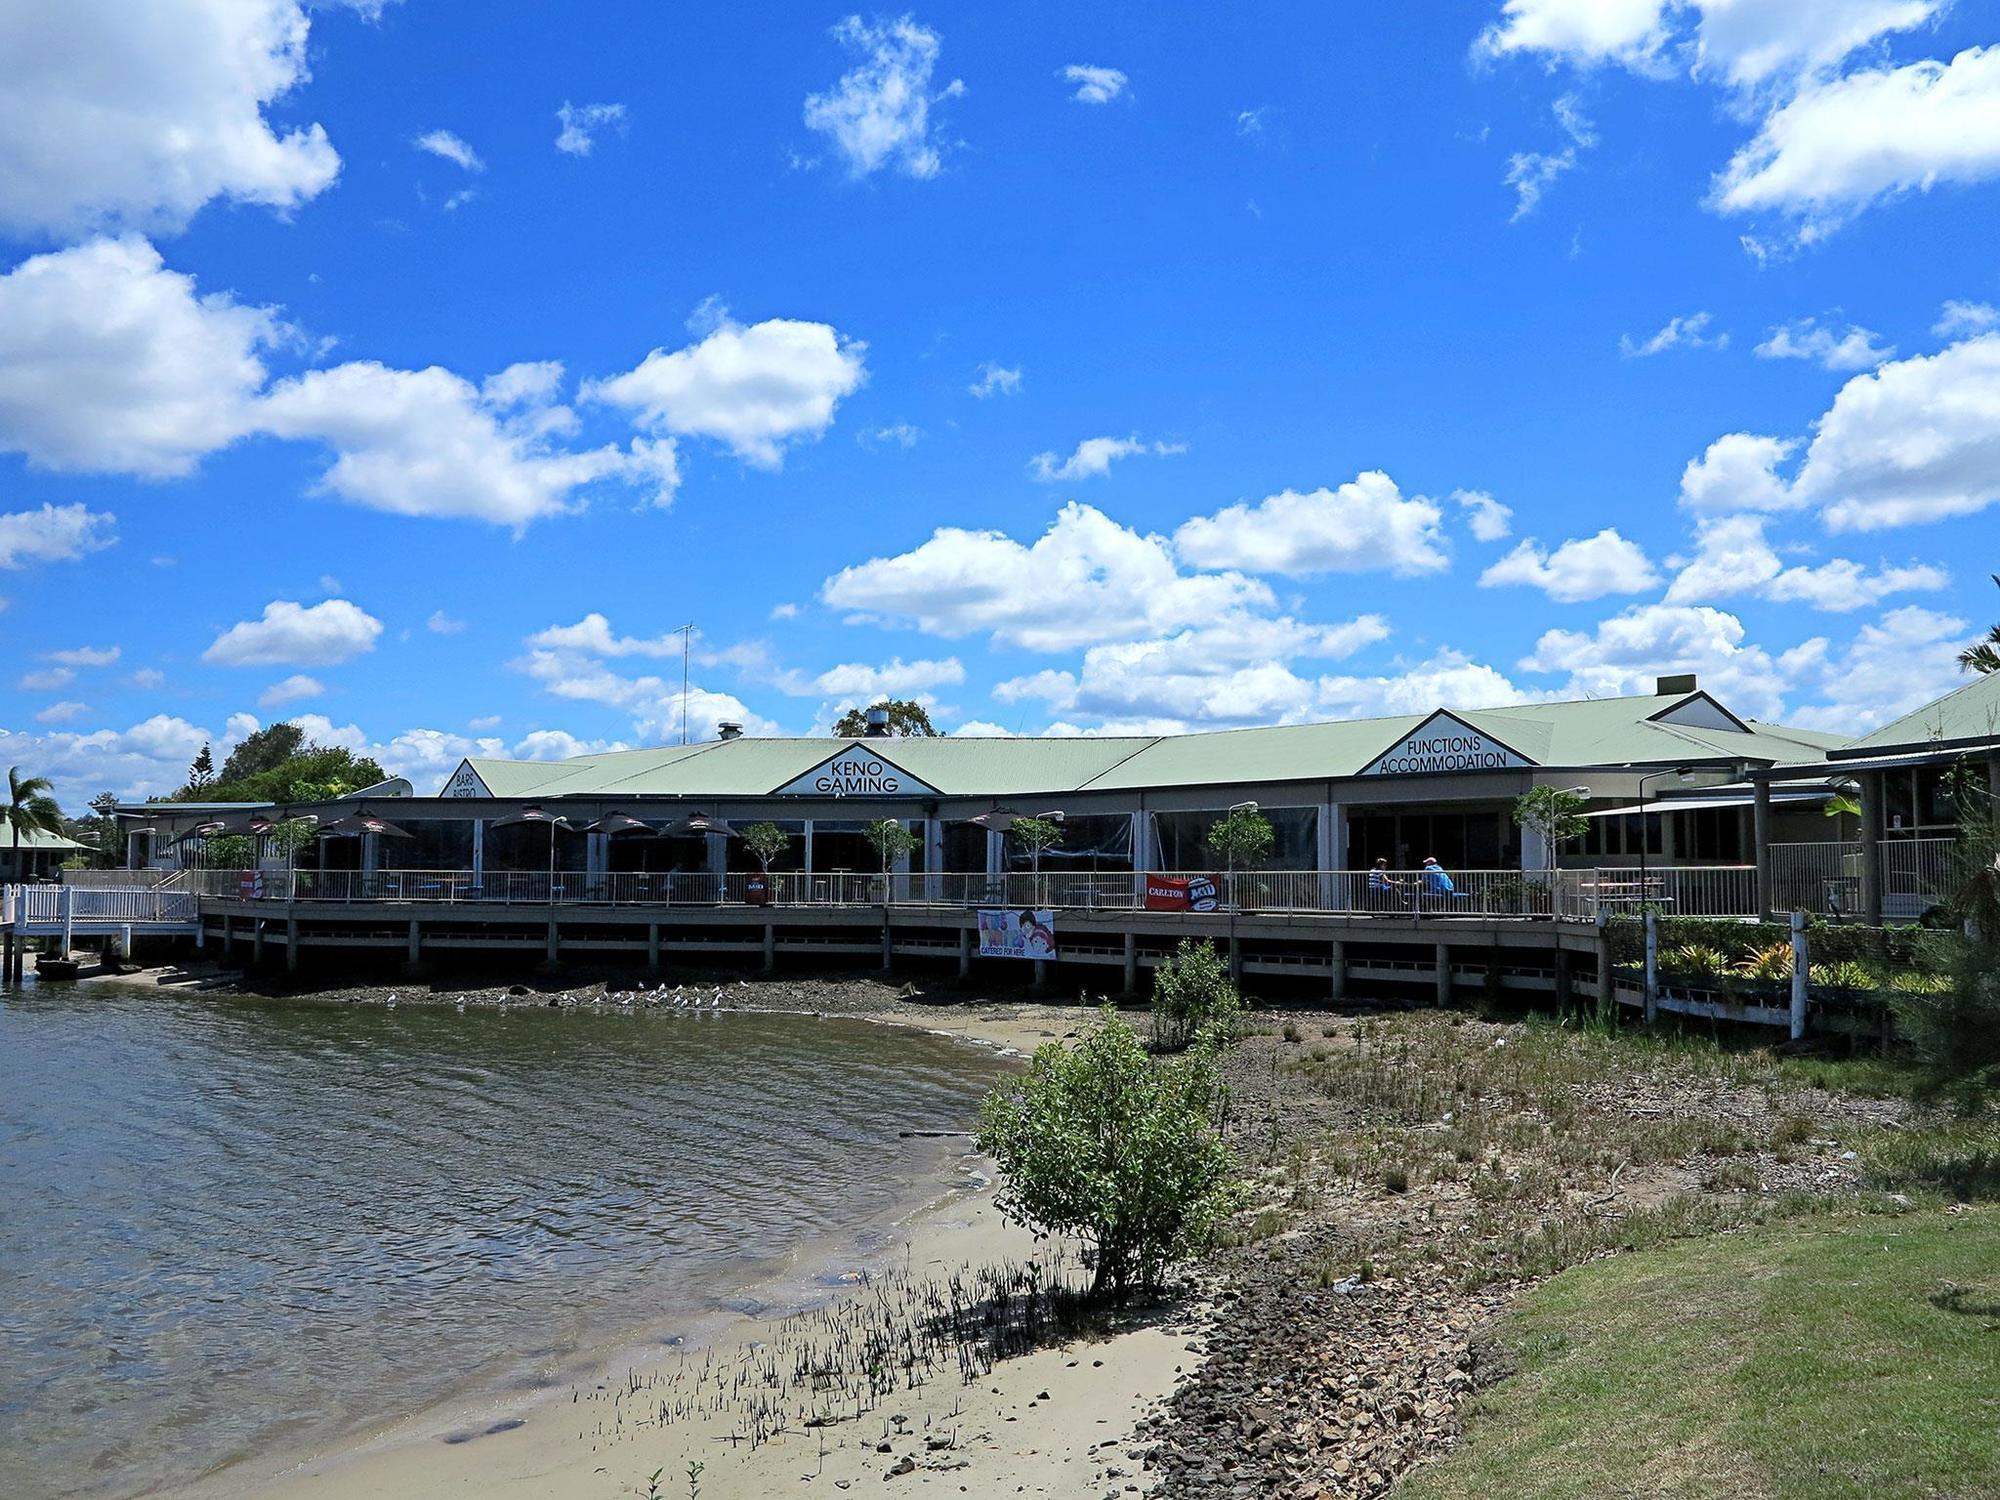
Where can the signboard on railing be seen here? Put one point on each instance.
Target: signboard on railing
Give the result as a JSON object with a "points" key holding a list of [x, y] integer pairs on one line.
{"points": [[757, 890], [1183, 892], [1017, 934], [249, 885]]}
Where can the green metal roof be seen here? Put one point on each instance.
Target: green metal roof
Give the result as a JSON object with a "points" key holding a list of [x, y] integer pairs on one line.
{"points": [[1971, 712], [1653, 730], [36, 839]]}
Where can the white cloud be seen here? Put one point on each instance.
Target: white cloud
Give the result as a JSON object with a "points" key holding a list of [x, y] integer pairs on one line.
{"points": [[1687, 332], [148, 678], [980, 729], [322, 635], [147, 759], [1956, 319], [1112, 583], [1489, 520], [1734, 557], [46, 680], [878, 114], [111, 363], [1091, 459], [559, 744], [754, 388], [1094, 85], [593, 636], [85, 656], [62, 713], [441, 623], [858, 682], [1230, 671], [430, 443], [1531, 174], [1366, 525], [581, 122], [1583, 31], [116, 114], [1894, 665], [654, 703], [785, 611], [1253, 122], [1625, 653], [294, 689], [1739, 472], [1840, 145], [896, 434], [1807, 338], [452, 148], [1582, 568], [1917, 440], [1748, 42], [996, 379], [483, 721], [55, 533], [1450, 679]]}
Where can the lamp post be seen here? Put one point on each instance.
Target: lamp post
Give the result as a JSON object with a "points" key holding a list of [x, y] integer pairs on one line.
{"points": [[1677, 772]]}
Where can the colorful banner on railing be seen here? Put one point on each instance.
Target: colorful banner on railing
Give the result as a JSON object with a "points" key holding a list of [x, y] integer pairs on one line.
{"points": [[1183, 892], [1017, 934], [249, 885]]}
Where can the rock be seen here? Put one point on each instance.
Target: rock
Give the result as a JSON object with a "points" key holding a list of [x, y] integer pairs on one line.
{"points": [[903, 1465]]}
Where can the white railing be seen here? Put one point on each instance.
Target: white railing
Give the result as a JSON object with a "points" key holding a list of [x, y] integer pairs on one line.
{"points": [[36, 905], [1724, 891], [151, 879], [1825, 877]]}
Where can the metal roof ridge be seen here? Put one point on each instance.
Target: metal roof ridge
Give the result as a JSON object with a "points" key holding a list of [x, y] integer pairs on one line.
{"points": [[1157, 739]]}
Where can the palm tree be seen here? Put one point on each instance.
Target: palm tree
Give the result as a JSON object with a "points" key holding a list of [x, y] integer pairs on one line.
{"points": [[30, 806], [1983, 656]]}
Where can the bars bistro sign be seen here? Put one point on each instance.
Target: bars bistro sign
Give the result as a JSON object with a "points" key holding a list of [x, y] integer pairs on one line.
{"points": [[1442, 743], [855, 772]]}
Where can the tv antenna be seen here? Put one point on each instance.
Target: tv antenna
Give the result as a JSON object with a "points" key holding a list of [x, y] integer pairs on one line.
{"points": [[686, 633]]}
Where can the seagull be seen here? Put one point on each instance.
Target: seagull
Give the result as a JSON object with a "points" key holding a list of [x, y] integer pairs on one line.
{"points": [[715, 1001], [460, 1005], [392, 1000]]}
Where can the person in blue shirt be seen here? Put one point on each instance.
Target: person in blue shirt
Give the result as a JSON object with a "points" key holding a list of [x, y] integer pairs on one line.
{"points": [[1436, 882]]}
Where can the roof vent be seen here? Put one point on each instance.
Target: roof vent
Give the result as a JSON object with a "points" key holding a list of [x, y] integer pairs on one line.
{"points": [[1670, 687], [878, 722], [729, 729]]}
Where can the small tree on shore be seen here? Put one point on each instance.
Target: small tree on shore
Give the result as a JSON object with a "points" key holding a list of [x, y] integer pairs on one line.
{"points": [[1192, 995], [1101, 1142], [766, 841], [1955, 1033]]}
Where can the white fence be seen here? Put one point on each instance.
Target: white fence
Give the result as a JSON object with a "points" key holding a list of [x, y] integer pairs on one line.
{"points": [[1707, 891], [48, 907]]}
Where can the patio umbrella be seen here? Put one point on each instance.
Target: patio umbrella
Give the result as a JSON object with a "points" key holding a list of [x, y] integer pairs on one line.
{"points": [[697, 825], [553, 822], [361, 822], [1000, 819], [215, 827], [614, 823]]}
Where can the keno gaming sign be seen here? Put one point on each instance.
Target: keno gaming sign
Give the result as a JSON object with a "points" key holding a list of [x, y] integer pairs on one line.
{"points": [[855, 772], [1442, 744]]}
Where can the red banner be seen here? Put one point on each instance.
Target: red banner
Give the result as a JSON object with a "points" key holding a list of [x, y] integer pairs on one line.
{"points": [[1183, 892]]}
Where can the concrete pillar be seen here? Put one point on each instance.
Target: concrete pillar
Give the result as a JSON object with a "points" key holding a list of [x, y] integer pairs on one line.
{"points": [[1607, 996], [964, 952], [1444, 973], [416, 949], [653, 946], [554, 943], [1131, 963], [1801, 974], [68, 899], [888, 948], [1871, 848], [1652, 966], [1337, 989], [1760, 835], [478, 851], [770, 947], [934, 859], [257, 941], [1565, 982], [1534, 851], [1041, 973], [1143, 854], [809, 865], [228, 938], [291, 944]]}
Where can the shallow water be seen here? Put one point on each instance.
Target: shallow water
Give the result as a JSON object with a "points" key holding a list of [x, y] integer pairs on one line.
{"points": [[231, 1227]]}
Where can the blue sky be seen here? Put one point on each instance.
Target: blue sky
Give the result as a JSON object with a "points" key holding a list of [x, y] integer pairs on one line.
{"points": [[415, 369]]}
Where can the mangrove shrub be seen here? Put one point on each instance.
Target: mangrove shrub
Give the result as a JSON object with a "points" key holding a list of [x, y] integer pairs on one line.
{"points": [[1123, 1152], [1191, 993]]}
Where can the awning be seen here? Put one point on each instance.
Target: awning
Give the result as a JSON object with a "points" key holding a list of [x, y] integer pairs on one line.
{"points": [[1724, 799]]}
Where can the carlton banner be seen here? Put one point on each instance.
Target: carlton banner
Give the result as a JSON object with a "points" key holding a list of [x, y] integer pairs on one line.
{"points": [[1183, 892]]}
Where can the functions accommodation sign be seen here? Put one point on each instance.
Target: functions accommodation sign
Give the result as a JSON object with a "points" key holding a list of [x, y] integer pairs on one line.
{"points": [[855, 772], [1017, 934], [1442, 743]]}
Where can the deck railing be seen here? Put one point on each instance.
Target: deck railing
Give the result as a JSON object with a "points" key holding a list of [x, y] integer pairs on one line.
{"points": [[1825, 877], [1708, 891]]}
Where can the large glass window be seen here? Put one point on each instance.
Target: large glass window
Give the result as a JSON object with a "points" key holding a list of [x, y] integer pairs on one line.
{"points": [[1183, 838], [433, 844], [1094, 842]]}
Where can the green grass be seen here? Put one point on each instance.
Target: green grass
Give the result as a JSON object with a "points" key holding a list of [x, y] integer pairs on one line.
{"points": [[1805, 1360]]}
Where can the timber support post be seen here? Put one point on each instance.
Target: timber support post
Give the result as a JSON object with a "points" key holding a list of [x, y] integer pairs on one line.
{"points": [[1801, 975], [1607, 983], [770, 947], [1565, 981], [1337, 989], [1131, 963], [1652, 966], [1444, 973], [965, 953], [653, 946]]}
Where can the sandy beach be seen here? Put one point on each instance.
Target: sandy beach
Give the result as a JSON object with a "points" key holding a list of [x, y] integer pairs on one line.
{"points": [[1060, 1419]]}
